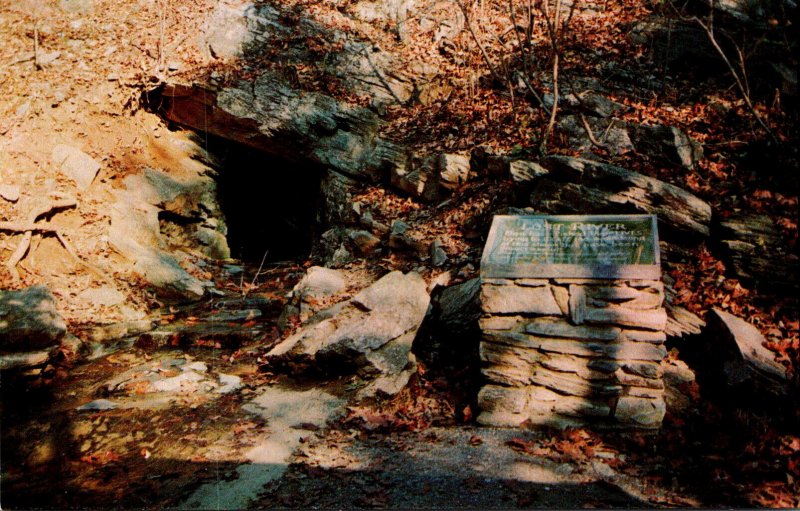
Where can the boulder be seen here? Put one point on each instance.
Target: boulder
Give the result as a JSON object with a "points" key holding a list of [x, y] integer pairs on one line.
{"points": [[746, 363], [485, 160], [587, 102], [371, 333], [336, 200], [438, 253], [316, 286], [576, 185], [29, 320], [758, 251], [270, 115], [458, 308], [319, 283], [366, 243], [418, 178], [660, 142]]}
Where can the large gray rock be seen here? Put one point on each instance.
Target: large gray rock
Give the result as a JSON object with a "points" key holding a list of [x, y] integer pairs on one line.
{"points": [[577, 185], [757, 250], [746, 361], [268, 114], [29, 320], [318, 284], [459, 308], [371, 333]]}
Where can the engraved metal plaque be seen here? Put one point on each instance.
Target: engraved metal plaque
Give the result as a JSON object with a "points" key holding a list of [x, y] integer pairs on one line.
{"points": [[572, 246]]}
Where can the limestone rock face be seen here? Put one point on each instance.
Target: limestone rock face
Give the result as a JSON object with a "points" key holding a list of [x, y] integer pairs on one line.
{"points": [[371, 333], [29, 320]]}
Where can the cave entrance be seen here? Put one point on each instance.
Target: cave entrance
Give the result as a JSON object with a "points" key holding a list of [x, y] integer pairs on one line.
{"points": [[270, 204]]}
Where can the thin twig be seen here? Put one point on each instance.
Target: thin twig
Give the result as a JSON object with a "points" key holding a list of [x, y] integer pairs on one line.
{"points": [[553, 24], [478, 43], [590, 133], [25, 243], [708, 27], [258, 272], [524, 56], [36, 62]]}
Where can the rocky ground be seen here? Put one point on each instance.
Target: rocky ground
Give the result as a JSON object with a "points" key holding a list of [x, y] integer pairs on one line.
{"points": [[171, 171]]}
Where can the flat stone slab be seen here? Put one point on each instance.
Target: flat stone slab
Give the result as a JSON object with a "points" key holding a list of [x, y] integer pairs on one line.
{"points": [[573, 246]]}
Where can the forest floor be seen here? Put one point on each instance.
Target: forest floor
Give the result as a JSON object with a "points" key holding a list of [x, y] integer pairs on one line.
{"points": [[73, 71]]}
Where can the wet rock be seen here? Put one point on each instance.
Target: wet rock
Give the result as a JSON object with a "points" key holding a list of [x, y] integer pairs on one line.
{"points": [[105, 333], [233, 315], [76, 165], [372, 332], [98, 405], [187, 381], [29, 319]]}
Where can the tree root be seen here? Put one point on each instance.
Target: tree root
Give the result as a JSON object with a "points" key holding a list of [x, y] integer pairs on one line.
{"points": [[29, 226]]}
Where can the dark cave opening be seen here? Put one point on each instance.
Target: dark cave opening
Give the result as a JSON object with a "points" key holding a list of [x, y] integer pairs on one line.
{"points": [[270, 203]]}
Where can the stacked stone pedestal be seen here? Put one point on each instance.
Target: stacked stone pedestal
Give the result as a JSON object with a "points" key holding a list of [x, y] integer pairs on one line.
{"points": [[572, 352]]}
